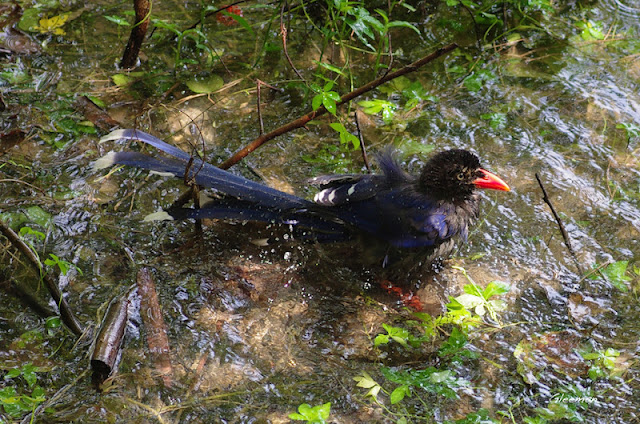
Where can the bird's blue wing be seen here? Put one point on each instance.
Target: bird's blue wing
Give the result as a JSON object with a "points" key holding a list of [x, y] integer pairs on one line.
{"points": [[404, 218], [342, 189]]}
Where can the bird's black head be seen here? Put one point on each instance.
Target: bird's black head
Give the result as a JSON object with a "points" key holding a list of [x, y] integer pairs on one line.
{"points": [[454, 174]]}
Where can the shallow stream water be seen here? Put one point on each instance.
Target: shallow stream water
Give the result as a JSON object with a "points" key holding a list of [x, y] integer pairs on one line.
{"points": [[255, 332]]}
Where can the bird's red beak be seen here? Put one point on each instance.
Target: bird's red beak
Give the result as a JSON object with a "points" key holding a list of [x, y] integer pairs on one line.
{"points": [[492, 181]]}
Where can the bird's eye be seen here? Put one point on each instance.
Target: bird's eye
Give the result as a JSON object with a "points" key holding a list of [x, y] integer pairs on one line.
{"points": [[460, 176]]}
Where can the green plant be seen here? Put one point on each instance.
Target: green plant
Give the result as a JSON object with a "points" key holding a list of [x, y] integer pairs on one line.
{"points": [[454, 348], [603, 363], [631, 130], [346, 137], [480, 299], [616, 274], [431, 379], [477, 79], [318, 414], [373, 107], [325, 97], [349, 16], [63, 265], [195, 34], [398, 335], [443, 379], [16, 404], [591, 30], [566, 405], [497, 120], [524, 15]]}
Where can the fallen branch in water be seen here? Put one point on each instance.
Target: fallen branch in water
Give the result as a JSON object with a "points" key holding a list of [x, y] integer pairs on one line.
{"points": [[156, 328], [65, 311], [303, 120], [108, 344], [563, 231]]}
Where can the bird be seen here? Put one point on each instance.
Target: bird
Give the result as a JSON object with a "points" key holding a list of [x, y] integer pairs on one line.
{"points": [[426, 212]]}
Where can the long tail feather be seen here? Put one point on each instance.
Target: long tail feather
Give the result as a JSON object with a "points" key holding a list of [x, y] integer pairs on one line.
{"points": [[204, 173]]}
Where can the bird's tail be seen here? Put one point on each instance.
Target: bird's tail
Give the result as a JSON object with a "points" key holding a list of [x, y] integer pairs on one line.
{"points": [[201, 172], [243, 199]]}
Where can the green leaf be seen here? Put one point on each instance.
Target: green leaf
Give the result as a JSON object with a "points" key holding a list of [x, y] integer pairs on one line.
{"points": [[38, 392], [590, 355], [440, 377], [118, 20], [53, 322], [333, 96], [324, 410], [632, 130], [345, 136], [495, 288], [316, 102], [205, 84], [29, 20], [591, 30], [371, 107], [53, 260], [329, 104], [469, 301], [28, 231], [317, 414], [472, 289], [365, 380], [397, 334], [616, 274], [13, 373], [330, 68], [612, 352], [242, 21], [497, 120], [399, 393], [498, 305], [38, 216], [296, 416], [364, 25], [476, 80], [381, 339], [29, 375], [456, 342], [122, 80], [404, 24], [485, 18]]}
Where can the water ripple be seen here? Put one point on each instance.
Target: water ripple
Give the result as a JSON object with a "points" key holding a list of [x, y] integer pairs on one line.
{"points": [[627, 8]]}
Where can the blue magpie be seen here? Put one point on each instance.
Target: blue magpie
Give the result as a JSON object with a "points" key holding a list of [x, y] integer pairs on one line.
{"points": [[427, 211]]}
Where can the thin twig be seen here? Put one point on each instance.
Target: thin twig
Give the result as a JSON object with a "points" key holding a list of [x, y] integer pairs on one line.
{"points": [[363, 148], [563, 231], [303, 120], [259, 109], [259, 84], [475, 25], [390, 64], [283, 32], [65, 312]]}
